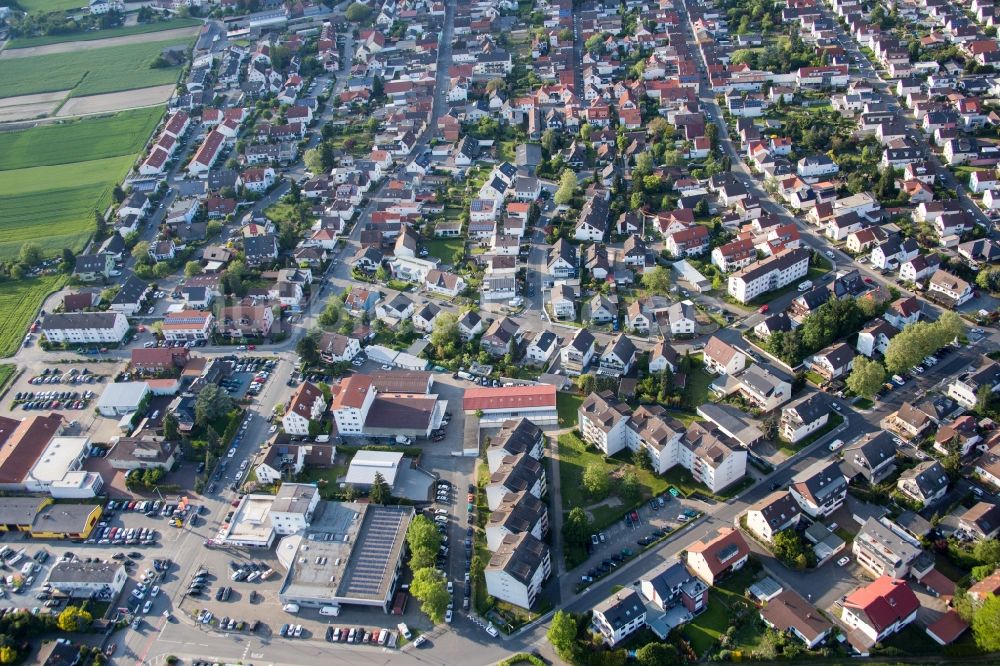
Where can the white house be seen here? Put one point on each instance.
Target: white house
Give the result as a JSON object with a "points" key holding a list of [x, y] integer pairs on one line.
{"points": [[305, 406]]}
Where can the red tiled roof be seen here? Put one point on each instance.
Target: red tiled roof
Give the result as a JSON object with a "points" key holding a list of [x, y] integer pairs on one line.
{"points": [[883, 602], [303, 398], [509, 397], [25, 445], [948, 628], [351, 392], [727, 538]]}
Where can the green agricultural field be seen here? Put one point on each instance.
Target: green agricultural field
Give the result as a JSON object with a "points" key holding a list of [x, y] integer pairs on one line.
{"points": [[93, 35], [88, 72], [53, 205], [19, 303], [79, 140], [43, 6]]}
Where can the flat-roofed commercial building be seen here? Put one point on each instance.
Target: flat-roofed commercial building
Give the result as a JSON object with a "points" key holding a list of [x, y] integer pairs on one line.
{"points": [[351, 555]]}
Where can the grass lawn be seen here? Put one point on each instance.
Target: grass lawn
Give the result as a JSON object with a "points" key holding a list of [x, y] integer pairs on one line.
{"points": [[574, 457], [19, 303], [78, 140], [325, 479], [912, 640], [698, 381], [94, 35], [7, 371], [815, 378], [705, 629], [445, 248], [90, 72], [568, 407]]}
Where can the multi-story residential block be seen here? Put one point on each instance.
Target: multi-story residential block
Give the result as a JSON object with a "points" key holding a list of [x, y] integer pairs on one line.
{"points": [[84, 327], [769, 274], [517, 570], [883, 551]]}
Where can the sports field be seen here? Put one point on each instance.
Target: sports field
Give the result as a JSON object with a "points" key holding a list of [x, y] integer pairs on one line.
{"points": [[52, 178], [19, 302], [110, 33], [88, 72]]}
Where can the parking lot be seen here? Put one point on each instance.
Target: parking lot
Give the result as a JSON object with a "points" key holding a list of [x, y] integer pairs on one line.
{"points": [[69, 389], [215, 601], [640, 528], [248, 376]]}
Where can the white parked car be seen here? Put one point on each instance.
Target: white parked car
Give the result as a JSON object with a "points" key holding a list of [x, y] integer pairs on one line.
{"points": [[843, 561]]}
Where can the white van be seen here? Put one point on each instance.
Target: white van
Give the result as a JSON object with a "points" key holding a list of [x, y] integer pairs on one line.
{"points": [[805, 286], [290, 608], [836, 444], [403, 629], [333, 611]]}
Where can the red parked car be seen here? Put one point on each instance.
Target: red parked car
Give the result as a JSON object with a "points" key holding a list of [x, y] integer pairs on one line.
{"points": [[763, 309]]}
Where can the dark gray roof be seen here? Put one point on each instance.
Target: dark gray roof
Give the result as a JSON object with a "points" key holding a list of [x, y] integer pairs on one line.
{"points": [[810, 408], [132, 290], [582, 341], [517, 436], [929, 477], [79, 320], [621, 609]]}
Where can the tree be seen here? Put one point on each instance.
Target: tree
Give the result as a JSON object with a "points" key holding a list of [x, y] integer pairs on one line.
{"points": [[987, 551], [8, 655], [423, 537], [73, 618], [313, 160], [595, 481], [210, 404], [576, 527], [989, 279], [986, 624], [192, 268], [562, 634], [866, 377], [430, 589], [170, 430], [357, 12], [308, 349], [643, 164], [916, 341], [100, 224], [701, 208], [445, 335], [30, 254], [118, 194], [629, 487], [380, 492], [567, 187], [657, 280], [655, 654], [640, 458]]}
